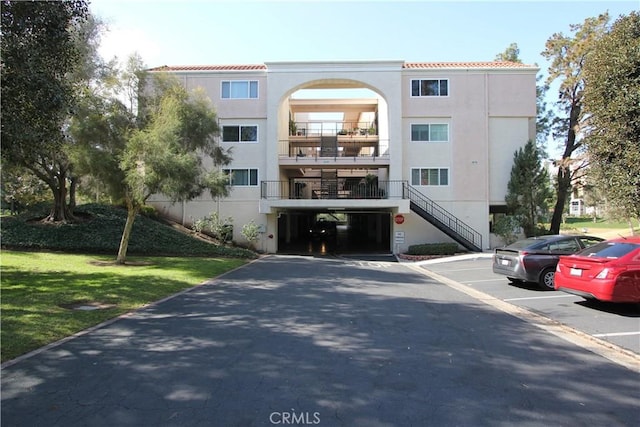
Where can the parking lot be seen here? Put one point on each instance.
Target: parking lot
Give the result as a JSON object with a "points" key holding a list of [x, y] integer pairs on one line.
{"points": [[331, 342], [618, 324]]}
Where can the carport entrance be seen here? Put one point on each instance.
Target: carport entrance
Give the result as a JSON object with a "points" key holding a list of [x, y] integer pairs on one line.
{"points": [[355, 232]]}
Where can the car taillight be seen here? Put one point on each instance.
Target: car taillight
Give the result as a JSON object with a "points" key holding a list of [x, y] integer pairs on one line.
{"points": [[610, 271], [521, 256]]}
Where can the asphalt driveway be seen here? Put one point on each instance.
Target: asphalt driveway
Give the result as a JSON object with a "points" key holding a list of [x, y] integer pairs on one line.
{"points": [[319, 341]]}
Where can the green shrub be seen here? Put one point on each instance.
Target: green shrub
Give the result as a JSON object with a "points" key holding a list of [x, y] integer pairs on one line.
{"points": [[216, 227], [100, 231], [433, 249], [149, 211], [251, 232], [507, 227]]}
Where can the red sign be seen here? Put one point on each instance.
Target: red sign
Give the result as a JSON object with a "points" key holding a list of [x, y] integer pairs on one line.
{"points": [[399, 219]]}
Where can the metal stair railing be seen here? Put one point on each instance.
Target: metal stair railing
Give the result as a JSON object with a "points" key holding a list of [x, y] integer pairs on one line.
{"points": [[444, 220]]}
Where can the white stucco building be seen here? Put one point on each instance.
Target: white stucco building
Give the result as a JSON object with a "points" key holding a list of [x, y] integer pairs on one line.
{"points": [[399, 153]]}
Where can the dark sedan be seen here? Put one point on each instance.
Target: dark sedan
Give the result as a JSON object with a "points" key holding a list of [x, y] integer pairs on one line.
{"points": [[535, 259]]}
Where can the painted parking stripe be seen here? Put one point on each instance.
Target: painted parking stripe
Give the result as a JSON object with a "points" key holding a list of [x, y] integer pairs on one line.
{"points": [[617, 334], [611, 351], [547, 297], [483, 280]]}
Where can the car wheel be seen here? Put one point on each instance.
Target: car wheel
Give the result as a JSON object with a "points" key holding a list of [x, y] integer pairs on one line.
{"points": [[546, 279]]}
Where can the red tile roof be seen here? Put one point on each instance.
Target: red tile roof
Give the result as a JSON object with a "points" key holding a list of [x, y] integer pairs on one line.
{"points": [[406, 65], [250, 67], [486, 64]]}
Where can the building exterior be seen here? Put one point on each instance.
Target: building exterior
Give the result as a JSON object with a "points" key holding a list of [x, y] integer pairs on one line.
{"points": [[399, 153]]}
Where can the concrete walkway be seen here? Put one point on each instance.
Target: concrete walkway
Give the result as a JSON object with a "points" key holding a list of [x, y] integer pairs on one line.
{"points": [[319, 341]]}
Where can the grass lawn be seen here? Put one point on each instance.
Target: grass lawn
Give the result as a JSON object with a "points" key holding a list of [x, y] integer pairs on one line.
{"points": [[601, 228], [38, 288]]}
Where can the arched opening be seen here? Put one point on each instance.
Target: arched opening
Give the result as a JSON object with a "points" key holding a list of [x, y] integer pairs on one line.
{"points": [[334, 145]]}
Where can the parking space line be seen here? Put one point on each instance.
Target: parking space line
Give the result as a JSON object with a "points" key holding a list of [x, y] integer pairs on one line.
{"points": [[483, 280], [545, 297], [617, 334], [615, 353]]}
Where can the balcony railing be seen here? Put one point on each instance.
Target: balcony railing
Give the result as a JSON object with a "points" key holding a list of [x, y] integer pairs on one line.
{"points": [[338, 188], [311, 129], [310, 148]]}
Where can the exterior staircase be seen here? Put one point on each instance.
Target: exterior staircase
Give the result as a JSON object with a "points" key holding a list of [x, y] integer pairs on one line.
{"points": [[443, 220]]}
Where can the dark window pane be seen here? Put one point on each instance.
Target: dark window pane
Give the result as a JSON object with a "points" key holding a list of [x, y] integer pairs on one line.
{"points": [[253, 89], [444, 88], [226, 91], [249, 133], [415, 176], [253, 176], [415, 87], [444, 177], [420, 132], [424, 177], [240, 177], [231, 133], [434, 177], [429, 88]]}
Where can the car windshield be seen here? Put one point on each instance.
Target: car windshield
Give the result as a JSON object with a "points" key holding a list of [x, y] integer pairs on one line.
{"points": [[609, 249], [525, 243]]}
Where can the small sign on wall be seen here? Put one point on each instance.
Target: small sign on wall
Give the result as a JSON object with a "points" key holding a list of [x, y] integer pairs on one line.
{"points": [[399, 237]]}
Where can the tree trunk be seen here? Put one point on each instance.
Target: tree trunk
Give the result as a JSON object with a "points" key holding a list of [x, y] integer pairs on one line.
{"points": [[72, 194], [564, 183], [564, 170], [59, 211], [132, 211]]}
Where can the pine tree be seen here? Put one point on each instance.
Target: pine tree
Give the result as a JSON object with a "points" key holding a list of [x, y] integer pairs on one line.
{"points": [[528, 190]]}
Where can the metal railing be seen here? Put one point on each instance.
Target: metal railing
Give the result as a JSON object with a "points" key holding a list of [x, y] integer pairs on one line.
{"points": [[315, 128], [314, 149], [444, 219], [337, 188]]}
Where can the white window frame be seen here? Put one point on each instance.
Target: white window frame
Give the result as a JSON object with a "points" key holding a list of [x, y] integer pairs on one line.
{"points": [[239, 141], [429, 132], [439, 80], [230, 171], [439, 169], [248, 94]]}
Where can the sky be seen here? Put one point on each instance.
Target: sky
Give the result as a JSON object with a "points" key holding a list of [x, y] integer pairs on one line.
{"points": [[201, 32]]}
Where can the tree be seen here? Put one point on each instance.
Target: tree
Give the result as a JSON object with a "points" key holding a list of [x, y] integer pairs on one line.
{"points": [[528, 190], [21, 189], [612, 100], [157, 148], [568, 55], [510, 54], [39, 51]]}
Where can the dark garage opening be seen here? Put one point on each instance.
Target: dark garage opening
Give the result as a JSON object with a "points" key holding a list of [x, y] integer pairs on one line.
{"points": [[356, 232]]}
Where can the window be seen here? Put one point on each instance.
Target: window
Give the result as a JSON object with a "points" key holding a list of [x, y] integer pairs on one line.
{"points": [[430, 87], [430, 132], [430, 176], [240, 134], [240, 89], [242, 177]]}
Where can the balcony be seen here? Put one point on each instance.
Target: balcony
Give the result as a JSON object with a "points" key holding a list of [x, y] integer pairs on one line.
{"points": [[331, 189], [313, 142]]}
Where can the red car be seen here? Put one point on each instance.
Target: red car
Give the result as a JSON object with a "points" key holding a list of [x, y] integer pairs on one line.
{"points": [[607, 271]]}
